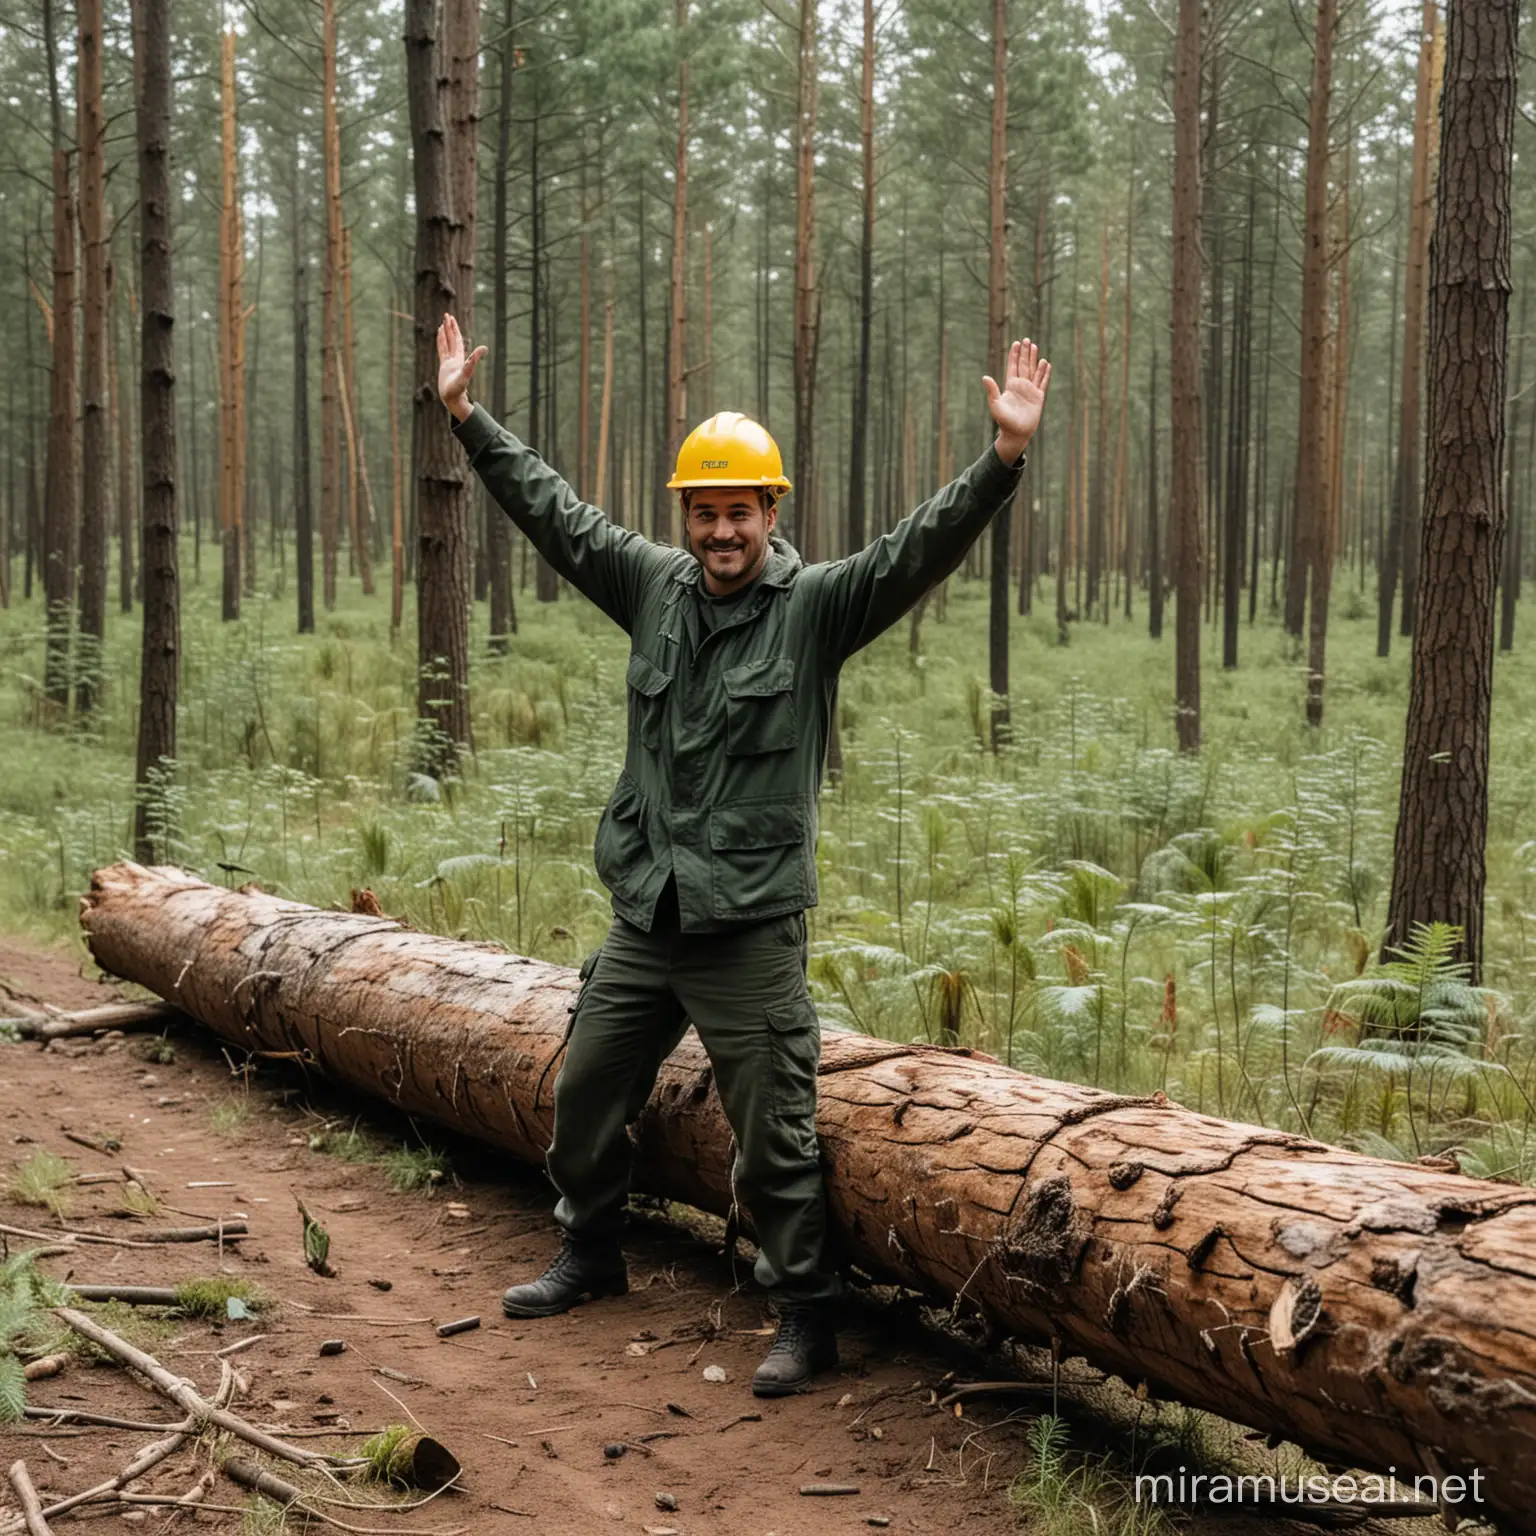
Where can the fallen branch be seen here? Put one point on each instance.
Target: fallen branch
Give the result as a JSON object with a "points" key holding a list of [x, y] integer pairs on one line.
{"points": [[144, 1460], [31, 1505], [54, 1025], [226, 1231], [81, 1416], [186, 1396]]}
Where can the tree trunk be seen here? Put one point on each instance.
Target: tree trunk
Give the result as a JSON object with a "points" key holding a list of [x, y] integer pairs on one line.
{"points": [[1509, 577], [127, 501], [231, 343], [95, 425], [360, 518], [1325, 532], [1154, 520], [498, 527], [801, 529], [1311, 517], [61, 482], [1375, 1313], [330, 321], [161, 649], [997, 358], [668, 507], [1411, 541], [547, 584], [303, 503], [461, 50], [1185, 327], [858, 446], [1438, 866], [443, 543], [605, 409], [1236, 488], [1096, 496]]}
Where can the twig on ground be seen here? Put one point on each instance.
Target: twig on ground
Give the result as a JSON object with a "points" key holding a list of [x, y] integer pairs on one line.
{"points": [[406, 1411], [183, 1393], [100, 1420], [31, 1505]]}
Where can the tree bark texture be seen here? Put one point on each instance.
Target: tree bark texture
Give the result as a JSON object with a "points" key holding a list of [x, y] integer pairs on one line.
{"points": [[1376, 1313], [303, 501], [1442, 829], [1309, 528], [858, 446], [668, 508], [1184, 492], [330, 317], [997, 359], [802, 528], [95, 427], [443, 543], [498, 527], [231, 343], [62, 475], [160, 654], [1405, 482]]}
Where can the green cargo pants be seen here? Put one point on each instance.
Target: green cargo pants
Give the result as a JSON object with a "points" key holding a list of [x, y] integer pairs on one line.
{"points": [[744, 990]]}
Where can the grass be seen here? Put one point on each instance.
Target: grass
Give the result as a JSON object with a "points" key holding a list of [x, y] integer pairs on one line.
{"points": [[43, 1180], [412, 1168], [1087, 904], [210, 1298], [230, 1116], [263, 1517]]}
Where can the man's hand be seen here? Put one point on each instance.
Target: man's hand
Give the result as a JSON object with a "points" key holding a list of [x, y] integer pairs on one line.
{"points": [[454, 370], [1017, 406]]}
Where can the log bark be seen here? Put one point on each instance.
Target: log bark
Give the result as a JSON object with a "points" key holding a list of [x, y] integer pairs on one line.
{"points": [[1376, 1313]]}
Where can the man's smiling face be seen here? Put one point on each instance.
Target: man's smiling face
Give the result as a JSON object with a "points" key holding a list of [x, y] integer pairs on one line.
{"points": [[727, 529]]}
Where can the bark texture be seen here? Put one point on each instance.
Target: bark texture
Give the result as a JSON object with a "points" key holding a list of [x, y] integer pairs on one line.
{"points": [[1184, 493], [1382, 1314], [95, 439], [443, 571], [1442, 831], [160, 654]]}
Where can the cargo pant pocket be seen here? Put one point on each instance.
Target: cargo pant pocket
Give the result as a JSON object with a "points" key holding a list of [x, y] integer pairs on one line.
{"points": [[794, 1048]]}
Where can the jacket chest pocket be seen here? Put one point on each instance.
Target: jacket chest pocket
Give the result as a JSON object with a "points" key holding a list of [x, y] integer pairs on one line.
{"points": [[760, 707], [648, 686]]}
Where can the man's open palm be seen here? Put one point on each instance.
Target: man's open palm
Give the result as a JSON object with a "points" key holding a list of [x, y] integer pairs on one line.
{"points": [[1017, 406], [454, 370]]}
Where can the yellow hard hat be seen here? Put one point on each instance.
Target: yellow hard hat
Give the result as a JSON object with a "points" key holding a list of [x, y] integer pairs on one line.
{"points": [[729, 449]]}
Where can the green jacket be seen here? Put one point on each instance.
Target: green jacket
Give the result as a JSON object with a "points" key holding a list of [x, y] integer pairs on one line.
{"points": [[727, 729]]}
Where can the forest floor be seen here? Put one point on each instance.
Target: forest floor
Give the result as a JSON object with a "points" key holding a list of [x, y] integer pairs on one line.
{"points": [[527, 1408]]}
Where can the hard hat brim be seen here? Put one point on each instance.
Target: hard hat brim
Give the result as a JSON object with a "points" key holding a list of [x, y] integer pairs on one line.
{"points": [[764, 483]]}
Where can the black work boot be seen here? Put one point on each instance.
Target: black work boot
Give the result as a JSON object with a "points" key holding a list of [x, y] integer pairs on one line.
{"points": [[806, 1343], [581, 1271]]}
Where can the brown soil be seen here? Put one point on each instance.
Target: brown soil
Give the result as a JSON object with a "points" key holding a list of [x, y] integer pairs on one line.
{"points": [[527, 1407], [559, 1390]]}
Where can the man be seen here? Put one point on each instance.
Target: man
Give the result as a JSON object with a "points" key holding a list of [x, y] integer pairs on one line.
{"points": [[709, 842]]}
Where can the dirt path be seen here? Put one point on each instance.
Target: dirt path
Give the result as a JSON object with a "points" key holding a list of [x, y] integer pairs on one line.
{"points": [[554, 1392]]}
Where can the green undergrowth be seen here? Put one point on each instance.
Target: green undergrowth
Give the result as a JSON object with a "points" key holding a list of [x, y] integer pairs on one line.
{"points": [[43, 1179], [210, 1298], [1087, 903], [407, 1168]]}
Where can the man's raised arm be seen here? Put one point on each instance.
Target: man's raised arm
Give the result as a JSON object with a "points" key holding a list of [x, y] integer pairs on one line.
{"points": [[863, 595], [605, 562]]}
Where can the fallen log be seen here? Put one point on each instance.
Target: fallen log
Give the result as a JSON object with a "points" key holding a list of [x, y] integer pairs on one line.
{"points": [[1378, 1314]]}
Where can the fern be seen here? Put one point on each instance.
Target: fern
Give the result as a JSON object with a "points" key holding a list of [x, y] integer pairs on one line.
{"points": [[13, 1389]]}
